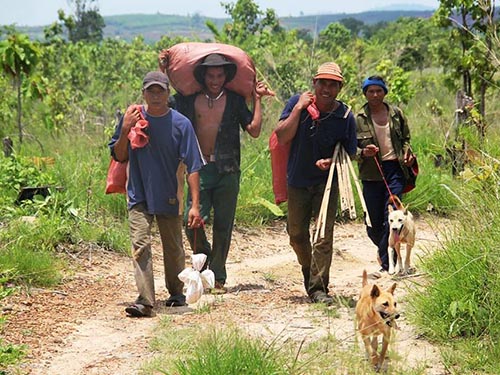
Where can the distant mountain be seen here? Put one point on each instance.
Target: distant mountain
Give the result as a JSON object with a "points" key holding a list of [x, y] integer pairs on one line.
{"points": [[153, 26], [319, 22], [398, 7]]}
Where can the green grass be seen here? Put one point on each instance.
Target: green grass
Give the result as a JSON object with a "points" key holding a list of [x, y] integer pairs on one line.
{"points": [[207, 349], [457, 306]]}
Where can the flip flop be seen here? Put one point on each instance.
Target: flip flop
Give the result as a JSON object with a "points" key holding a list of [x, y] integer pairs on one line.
{"points": [[137, 310]]}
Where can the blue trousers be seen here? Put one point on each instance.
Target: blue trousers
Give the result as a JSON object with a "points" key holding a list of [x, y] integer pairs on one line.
{"points": [[377, 199], [218, 192]]}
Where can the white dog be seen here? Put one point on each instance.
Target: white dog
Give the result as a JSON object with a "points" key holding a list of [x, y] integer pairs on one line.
{"points": [[401, 230]]}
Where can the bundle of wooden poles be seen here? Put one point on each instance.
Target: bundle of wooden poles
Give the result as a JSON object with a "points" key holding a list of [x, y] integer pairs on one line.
{"points": [[341, 162]]}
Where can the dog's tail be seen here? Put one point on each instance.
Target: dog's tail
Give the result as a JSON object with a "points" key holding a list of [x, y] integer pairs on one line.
{"points": [[365, 278], [397, 202]]}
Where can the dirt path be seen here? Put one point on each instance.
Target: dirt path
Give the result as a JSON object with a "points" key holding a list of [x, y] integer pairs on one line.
{"points": [[81, 328]]}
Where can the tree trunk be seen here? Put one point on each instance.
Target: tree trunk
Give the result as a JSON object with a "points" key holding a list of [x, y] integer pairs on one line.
{"points": [[19, 109]]}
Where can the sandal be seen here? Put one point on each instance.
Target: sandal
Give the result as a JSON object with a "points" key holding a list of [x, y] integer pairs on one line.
{"points": [[176, 301], [138, 310]]}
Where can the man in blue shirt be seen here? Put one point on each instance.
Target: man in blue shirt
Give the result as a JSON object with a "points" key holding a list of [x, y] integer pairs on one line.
{"points": [[152, 187], [313, 137]]}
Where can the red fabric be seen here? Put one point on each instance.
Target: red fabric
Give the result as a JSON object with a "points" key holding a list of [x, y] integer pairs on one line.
{"points": [[138, 138], [116, 181], [279, 161], [313, 111], [413, 171], [179, 61]]}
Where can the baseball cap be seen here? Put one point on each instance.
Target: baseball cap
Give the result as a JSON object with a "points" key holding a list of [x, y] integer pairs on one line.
{"points": [[329, 70], [155, 78]]}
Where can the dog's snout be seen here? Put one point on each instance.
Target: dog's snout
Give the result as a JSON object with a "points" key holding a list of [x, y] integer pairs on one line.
{"points": [[396, 316]]}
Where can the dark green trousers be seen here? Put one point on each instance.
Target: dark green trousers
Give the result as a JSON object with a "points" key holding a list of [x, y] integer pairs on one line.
{"points": [[218, 194]]}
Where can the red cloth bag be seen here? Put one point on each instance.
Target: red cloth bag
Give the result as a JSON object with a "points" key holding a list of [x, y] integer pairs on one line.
{"points": [[179, 61], [413, 174], [279, 161], [116, 181]]}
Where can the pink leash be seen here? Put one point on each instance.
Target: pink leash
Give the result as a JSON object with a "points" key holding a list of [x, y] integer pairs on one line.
{"points": [[383, 178]]}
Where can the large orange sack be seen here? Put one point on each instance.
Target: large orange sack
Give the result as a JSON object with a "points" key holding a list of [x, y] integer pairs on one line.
{"points": [[178, 63], [279, 162]]}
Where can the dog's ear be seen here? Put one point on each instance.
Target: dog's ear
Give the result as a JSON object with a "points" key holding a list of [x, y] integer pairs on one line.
{"points": [[392, 288], [390, 208], [375, 291]]}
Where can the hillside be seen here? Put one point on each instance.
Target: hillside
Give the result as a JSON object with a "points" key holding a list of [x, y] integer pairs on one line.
{"points": [[153, 26]]}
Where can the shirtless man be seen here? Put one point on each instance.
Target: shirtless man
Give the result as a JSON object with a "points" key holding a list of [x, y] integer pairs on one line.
{"points": [[217, 114]]}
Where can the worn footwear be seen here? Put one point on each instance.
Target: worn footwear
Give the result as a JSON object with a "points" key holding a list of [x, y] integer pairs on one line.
{"points": [[218, 288], [176, 301], [378, 274], [138, 310], [321, 297]]}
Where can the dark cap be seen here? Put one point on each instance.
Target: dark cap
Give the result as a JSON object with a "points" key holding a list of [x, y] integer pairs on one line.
{"points": [[155, 78], [214, 60]]}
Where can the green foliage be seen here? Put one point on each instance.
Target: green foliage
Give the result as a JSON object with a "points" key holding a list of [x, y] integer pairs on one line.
{"points": [[334, 39], [27, 251], [472, 26], [256, 200], [84, 84], [10, 354], [86, 24], [460, 301], [215, 351], [232, 353], [18, 58], [401, 90]]}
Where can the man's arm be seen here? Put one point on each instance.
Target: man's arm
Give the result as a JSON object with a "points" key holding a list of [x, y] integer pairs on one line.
{"points": [[255, 125], [194, 219], [120, 149], [287, 128]]}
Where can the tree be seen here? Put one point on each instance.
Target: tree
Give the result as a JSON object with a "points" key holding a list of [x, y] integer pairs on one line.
{"points": [[472, 25], [247, 23], [354, 25], [334, 38], [19, 57], [86, 25]]}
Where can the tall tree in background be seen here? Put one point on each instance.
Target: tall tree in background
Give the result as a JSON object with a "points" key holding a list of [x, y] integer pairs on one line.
{"points": [[85, 25], [247, 21], [89, 23], [19, 57], [472, 25]]}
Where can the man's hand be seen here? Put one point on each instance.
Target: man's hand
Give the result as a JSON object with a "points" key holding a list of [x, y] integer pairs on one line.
{"points": [[194, 218], [305, 100], [132, 115], [409, 158], [324, 164], [261, 90], [370, 151]]}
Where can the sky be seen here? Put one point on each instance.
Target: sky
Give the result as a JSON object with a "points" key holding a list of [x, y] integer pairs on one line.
{"points": [[44, 12]]}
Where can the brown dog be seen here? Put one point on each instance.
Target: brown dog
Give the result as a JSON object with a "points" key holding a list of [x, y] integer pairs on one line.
{"points": [[376, 314], [401, 231]]}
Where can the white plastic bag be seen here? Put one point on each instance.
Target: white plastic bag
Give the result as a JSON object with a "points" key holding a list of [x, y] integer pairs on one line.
{"points": [[194, 280]]}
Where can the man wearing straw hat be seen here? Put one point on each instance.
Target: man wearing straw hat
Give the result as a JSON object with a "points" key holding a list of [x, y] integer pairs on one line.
{"points": [[315, 122]]}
